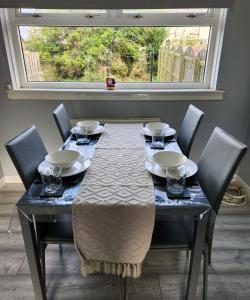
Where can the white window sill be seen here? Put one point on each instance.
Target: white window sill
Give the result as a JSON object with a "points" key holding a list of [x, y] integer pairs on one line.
{"points": [[115, 95]]}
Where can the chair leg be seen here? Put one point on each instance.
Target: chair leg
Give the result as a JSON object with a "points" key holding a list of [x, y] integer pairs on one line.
{"points": [[11, 219], [205, 274], [124, 288], [42, 248], [187, 260], [60, 249]]}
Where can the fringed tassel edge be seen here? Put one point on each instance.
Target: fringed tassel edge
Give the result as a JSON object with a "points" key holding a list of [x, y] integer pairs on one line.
{"points": [[111, 268]]}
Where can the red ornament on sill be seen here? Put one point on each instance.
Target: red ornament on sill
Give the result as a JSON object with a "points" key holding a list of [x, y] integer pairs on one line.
{"points": [[110, 83]]}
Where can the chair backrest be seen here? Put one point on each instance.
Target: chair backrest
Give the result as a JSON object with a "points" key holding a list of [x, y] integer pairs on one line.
{"points": [[188, 129], [62, 121], [218, 163], [27, 151]]}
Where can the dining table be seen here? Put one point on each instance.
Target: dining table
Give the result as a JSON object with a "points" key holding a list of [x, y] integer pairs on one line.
{"points": [[31, 207]]}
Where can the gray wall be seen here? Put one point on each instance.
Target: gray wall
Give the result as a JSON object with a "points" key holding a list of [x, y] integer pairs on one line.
{"points": [[245, 165], [230, 114]]}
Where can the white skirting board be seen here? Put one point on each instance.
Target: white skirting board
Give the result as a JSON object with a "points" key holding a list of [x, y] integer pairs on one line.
{"points": [[12, 180], [2, 182]]}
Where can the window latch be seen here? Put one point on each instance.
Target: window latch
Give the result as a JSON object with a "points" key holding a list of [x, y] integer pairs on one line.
{"points": [[191, 16], [194, 15], [91, 16], [36, 16], [136, 16]]}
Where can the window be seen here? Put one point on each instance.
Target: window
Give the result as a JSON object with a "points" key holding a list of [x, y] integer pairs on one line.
{"points": [[40, 12], [164, 11], [141, 49]]}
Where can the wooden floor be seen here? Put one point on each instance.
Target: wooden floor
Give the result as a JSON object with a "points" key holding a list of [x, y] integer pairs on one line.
{"points": [[163, 272]]}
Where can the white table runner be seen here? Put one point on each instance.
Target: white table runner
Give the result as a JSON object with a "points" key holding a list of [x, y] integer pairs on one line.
{"points": [[113, 214]]}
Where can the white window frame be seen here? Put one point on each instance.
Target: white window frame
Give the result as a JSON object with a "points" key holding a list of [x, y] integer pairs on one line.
{"points": [[11, 20]]}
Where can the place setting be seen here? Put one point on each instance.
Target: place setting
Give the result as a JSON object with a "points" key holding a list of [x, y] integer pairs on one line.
{"points": [[173, 169], [59, 170], [158, 134], [85, 131]]}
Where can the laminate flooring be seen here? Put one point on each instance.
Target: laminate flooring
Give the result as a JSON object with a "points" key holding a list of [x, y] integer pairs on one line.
{"points": [[164, 273]]}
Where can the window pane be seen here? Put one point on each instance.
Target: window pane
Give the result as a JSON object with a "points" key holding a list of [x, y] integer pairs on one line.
{"points": [[31, 11], [164, 11], [129, 54]]}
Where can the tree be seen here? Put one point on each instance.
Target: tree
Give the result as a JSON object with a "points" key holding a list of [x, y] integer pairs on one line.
{"points": [[80, 53]]}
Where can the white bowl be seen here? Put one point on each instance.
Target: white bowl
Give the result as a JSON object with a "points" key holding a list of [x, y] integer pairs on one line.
{"points": [[91, 125], [63, 158], [156, 126], [169, 159]]}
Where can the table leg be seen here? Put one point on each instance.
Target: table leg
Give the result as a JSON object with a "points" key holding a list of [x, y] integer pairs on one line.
{"points": [[32, 253], [124, 288], [196, 256]]}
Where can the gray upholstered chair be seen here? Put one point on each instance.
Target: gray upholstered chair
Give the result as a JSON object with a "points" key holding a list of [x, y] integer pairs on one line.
{"points": [[62, 121], [188, 129], [27, 151], [216, 167]]}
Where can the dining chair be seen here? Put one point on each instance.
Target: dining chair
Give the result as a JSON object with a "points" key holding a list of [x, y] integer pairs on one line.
{"points": [[189, 128], [62, 121], [217, 165], [27, 151]]}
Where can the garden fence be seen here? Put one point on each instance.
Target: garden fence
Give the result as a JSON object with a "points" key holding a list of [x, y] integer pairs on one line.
{"points": [[180, 64], [33, 66]]}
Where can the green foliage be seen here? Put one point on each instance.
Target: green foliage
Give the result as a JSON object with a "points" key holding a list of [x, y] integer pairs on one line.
{"points": [[82, 53]]}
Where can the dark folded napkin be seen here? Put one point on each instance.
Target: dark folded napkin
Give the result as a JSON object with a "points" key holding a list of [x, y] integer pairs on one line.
{"points": [[157, 148], [184, 195], [167, 139], [84, 143], [191, 181], [73, 137], [56, 194]]}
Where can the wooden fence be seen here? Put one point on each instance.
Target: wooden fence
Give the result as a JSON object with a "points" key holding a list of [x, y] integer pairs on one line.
{"points": [[179, 64], [33, 66]]}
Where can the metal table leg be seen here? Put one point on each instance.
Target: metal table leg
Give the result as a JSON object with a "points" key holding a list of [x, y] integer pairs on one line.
{"points": [[124, 288], [32, 253], [196, 256]]}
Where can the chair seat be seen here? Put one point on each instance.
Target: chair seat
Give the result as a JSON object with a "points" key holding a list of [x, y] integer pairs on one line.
{"points": [[57, 232], [169, 234]]}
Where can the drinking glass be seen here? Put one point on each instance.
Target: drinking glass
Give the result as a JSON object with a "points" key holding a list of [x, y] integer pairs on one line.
{"points": [[51, 178], [158, 139], [176, 180], [81, 134]]}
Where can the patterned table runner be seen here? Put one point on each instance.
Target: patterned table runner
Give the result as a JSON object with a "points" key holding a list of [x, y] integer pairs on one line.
{"points": [[113, 214]]}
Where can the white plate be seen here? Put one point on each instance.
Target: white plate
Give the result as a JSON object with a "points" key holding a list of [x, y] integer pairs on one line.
{"points": [[78, 167], [98, 130], [155, 169], [167, 132]]}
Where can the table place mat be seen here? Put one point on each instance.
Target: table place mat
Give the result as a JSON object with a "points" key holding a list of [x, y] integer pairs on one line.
{"points": [[114, 211]]}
